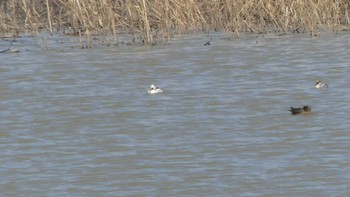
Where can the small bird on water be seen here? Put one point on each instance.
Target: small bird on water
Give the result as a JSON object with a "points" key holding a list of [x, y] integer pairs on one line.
{"points": [[154, 90], [206, 44], [320, 84], [305, 110]]}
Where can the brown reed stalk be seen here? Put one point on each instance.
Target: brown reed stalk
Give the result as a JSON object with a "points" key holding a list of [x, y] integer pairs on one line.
{"points": [[150, 20], [146, 23], [49, 16]]}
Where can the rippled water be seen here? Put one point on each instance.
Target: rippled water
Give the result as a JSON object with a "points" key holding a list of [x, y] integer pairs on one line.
{"points": [[80, 122]]}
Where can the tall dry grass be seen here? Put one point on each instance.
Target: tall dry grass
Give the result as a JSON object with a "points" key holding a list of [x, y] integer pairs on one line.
{"points": [[153, 20]]}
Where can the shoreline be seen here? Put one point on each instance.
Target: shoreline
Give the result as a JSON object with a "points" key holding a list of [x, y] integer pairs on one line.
{"points": [[61, 42]]}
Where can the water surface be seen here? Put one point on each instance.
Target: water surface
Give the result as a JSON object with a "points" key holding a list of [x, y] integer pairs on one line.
{"points": [[80, 122]]}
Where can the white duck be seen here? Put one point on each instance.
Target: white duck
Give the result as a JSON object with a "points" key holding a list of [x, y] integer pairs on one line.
{"points": [[321, 84], [154, 90]]}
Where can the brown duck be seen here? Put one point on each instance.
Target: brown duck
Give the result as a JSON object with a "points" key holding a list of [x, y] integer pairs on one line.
{"points": [[295, 111]]}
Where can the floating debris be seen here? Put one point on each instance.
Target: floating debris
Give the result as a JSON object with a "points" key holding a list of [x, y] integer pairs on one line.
{"points": [[9, 50]]}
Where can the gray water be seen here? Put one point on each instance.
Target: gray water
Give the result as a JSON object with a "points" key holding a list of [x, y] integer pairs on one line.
{"points": [[81, 123]]}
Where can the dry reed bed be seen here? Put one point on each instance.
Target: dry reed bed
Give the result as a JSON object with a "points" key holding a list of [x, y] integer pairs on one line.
{"points": [[151, 20]]}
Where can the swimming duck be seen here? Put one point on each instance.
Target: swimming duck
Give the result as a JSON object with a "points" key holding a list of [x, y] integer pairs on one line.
{"points": [[296, 111], [321, 84], [154, 90]]}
